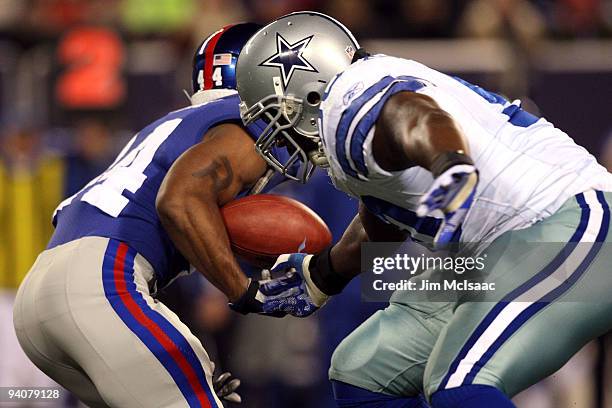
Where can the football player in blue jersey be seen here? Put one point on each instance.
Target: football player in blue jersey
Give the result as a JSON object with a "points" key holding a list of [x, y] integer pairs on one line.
{"points": [[86, 314]]}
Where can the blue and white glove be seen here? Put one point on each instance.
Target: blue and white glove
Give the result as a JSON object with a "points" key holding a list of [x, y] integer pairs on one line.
{"points": [[252, 301], [305, 283], [294, 292], [453, 193]]}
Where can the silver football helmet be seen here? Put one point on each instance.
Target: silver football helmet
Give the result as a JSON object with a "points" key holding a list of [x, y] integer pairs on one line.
{"points": [[282, 72]]}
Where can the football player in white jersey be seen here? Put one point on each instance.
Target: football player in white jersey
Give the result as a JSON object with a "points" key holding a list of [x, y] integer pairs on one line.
{"points": [[439, 160]]}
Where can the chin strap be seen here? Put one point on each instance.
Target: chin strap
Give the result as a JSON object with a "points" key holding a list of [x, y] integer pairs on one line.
{"points": [[262, 182], [188, 96], [318, 158]]}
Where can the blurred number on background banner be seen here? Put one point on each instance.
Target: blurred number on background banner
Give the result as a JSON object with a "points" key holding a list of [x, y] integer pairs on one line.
{"points": [[92, 58]]}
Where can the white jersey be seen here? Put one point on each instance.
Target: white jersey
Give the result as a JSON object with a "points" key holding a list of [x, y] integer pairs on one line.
{"points": [[528, 168]]}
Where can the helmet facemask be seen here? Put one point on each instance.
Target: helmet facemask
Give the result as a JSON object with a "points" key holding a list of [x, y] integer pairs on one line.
{"points": [[281, 114]]}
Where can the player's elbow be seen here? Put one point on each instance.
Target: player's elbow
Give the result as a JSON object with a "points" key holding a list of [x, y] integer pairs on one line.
{"points": [[170, 205], [176, 204]]}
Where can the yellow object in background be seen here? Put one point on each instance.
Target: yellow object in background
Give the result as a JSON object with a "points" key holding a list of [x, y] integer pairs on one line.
{"points": [[28, 197]]}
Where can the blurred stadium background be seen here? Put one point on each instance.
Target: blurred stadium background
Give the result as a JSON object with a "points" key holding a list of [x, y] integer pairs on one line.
{"points": [[78, 77]]}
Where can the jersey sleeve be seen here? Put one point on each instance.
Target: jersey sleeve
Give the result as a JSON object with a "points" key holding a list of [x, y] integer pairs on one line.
{"points": [[351, 106]]}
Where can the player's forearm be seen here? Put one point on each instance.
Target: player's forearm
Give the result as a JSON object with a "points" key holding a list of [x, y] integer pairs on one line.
{"points": [[332, 269], [198, 232], [346, 254]]}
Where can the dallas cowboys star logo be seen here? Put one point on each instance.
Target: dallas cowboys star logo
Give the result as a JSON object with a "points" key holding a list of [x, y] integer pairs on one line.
{"points": [[289, 58]]}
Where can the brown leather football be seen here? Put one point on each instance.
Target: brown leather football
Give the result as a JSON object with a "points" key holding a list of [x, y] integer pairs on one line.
{"points": [[261, 227]]}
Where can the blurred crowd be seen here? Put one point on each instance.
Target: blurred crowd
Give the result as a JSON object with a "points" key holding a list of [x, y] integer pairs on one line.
{"points": [[370, 18], [57, 131]]}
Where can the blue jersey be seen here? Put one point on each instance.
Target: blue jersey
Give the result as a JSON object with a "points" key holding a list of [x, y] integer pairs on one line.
{"points": [[120, 203]]}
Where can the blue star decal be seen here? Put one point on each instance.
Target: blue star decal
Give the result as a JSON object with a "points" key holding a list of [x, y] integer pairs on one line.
{"points": [[289, 58]]}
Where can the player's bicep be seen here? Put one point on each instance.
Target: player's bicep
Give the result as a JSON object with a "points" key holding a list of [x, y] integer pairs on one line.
{"points": [[411, 129], [217, 168], [369, 124]]}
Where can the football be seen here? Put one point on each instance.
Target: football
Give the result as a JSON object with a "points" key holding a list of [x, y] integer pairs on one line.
{"points": [[262, 227]]}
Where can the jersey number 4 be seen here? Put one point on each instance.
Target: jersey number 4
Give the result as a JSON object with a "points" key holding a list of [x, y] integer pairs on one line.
{"points": [[217, 77], [105, 192]]}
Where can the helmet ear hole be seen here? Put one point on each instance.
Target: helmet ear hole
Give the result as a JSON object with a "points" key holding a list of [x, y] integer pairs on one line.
{"points": [[313, 98]]}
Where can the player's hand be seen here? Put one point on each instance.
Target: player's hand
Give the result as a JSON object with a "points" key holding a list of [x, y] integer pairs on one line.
{"points": [[294, 292], [225, 386], [453, 193], [252, 301]]}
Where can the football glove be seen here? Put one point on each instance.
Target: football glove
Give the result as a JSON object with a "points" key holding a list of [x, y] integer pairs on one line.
{"points": [[300, 263], [252, 301], [294, 292], [225, 386], [453, 193]]}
